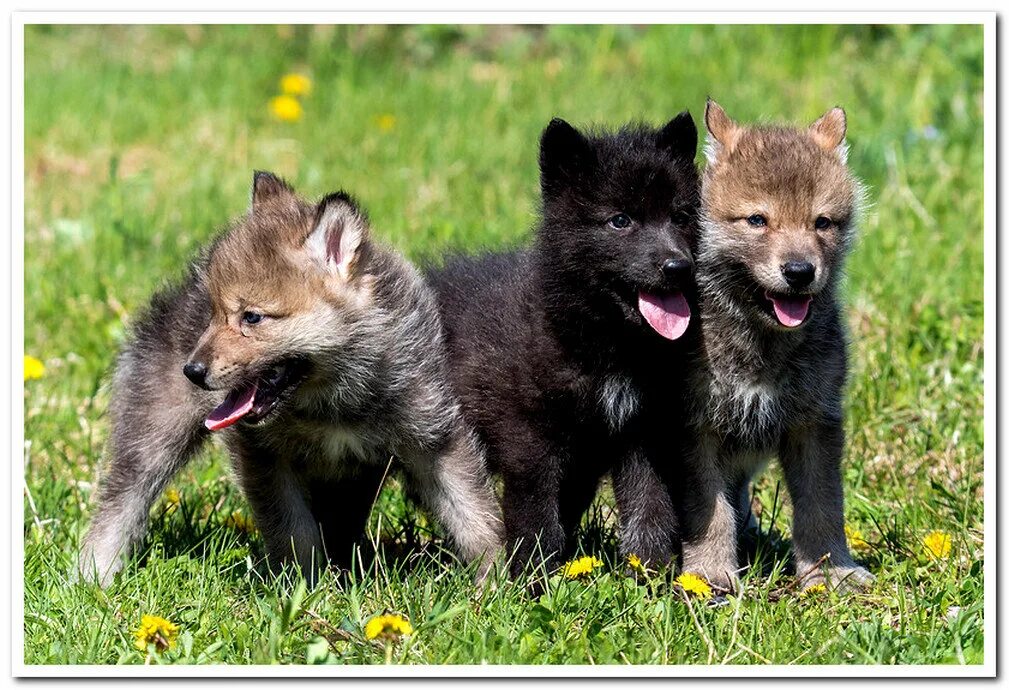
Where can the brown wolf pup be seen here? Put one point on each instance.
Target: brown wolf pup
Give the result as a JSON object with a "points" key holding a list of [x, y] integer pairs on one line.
{"points": [[779, 206], [316, 355]]}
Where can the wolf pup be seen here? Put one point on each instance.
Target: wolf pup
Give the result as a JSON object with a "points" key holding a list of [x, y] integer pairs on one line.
{"points": [[566, 357], [779, 207], [316, 355]]}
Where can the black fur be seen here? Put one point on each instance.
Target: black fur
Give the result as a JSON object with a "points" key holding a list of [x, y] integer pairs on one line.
{"points": [[555, 366]]}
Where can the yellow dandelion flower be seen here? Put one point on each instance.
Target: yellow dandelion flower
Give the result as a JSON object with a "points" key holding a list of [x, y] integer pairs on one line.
{"points": [[239, 521], [855, 539], [34, 368], [695, 585], [813, 590], [157, 631], [635, 564], [388, 626], [937, 545], [581, 567], [295, 85], [386, 122], [286, 108], [172, 499]]}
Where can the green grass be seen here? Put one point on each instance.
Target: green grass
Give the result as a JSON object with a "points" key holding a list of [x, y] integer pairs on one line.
{"points": [[140, 142]]}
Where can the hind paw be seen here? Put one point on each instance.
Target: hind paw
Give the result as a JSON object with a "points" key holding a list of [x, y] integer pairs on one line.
{"points": [[95, 568], [840, 578]]}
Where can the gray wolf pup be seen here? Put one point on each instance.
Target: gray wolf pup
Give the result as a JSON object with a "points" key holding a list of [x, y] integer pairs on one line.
{"points": [[779, 207], [316, 355], [567, 357]]}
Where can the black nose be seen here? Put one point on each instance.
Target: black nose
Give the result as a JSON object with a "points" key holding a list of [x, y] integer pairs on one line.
{"points": [[677, 271], [196, 372], [798, 274]]}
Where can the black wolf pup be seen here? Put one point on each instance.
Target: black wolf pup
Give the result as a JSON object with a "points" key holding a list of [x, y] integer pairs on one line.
{"points": [[779, 208], [317, 355], [567, 357]]}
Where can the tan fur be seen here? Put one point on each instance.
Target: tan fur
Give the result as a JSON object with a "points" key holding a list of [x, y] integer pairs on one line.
{"points": [[261, 266], [829, 130], [720, 126], [762, 388], [791, 177]]}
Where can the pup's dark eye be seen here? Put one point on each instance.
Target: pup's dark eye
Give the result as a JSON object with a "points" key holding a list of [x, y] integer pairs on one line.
{"points": [[680, 217], [822, 223], [757, 220], [621, 221], [251, 317]]}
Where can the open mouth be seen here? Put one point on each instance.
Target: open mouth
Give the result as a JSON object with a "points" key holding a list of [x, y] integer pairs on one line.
{"points": [[668, 313], [253, 402], [790, 310]]}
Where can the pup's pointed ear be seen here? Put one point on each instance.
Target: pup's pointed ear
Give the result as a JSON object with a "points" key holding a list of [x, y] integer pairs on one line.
{"points": [[339, 237], [722, 131], [679, 136], [828, 131], [267, 186], [564, 151]]}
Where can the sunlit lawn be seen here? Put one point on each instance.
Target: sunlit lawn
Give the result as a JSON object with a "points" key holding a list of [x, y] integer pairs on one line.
{"points": [[140, 143]]}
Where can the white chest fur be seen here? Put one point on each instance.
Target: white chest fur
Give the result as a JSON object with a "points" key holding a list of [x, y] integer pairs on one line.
{"points": [[339, 452], [341, 443], [748, 410], [619, 400]]}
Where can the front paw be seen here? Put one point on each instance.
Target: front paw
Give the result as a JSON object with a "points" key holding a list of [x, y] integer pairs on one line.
{"points": [[726, 583], [849, 578], [538, 554], [723, 577]]}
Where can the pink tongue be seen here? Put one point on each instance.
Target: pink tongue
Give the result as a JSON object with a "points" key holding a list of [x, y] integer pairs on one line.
{"points": [[235, 406], [669, 314], [791, 311]]}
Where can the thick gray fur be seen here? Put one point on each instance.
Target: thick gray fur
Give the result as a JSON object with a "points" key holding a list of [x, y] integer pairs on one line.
{"points": [[312, 469], [758, 392]]}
